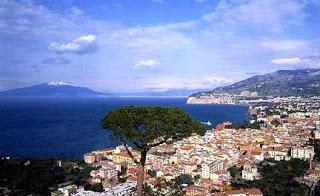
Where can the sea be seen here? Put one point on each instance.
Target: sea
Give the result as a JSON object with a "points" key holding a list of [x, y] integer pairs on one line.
{"points": [[70, 127]]}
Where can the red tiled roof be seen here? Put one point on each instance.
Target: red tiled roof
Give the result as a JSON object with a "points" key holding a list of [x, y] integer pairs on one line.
{"points": [[254, 191], [236, 192]]}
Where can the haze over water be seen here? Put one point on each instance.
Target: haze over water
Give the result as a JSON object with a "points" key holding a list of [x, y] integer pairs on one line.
{"points": [[70, 127]]}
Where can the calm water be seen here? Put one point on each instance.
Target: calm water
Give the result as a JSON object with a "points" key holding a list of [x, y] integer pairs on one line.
{"points": [[52, 127]]}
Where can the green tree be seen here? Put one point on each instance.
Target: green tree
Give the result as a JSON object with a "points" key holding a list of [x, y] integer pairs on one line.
{"points": [[234, 171], [147, 127], [95, 187], [152, 173], [184, 179], [197, 177], [37, 176], [278, 178]]}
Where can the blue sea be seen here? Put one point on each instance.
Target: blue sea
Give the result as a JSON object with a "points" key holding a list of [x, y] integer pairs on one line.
{"points": [[70, 127]]}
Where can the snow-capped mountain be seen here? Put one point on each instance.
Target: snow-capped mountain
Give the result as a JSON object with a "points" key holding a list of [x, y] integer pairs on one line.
{"points": [[59, 83]]}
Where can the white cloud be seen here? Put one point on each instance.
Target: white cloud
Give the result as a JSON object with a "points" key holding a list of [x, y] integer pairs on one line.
{"points": [[150, 40], [81, 45], [272, 15], [146, 63], [304, 61], [284, 45], [287, 61]]}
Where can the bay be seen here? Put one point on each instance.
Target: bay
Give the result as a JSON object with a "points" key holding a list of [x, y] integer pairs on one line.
{"points": [[70, 127]]}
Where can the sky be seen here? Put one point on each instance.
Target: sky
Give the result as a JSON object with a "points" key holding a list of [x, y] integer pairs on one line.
{"points": [[154, 45]]}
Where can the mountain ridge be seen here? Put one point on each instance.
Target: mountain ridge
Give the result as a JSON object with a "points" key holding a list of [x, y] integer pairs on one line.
{"points": [[284, 83], [52, 89]]}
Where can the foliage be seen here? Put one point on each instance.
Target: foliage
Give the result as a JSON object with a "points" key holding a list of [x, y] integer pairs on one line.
{"points": [[152, 173], [164, 188], [275, 122], [156, 153], [246, 124], [227, 187], [95, 187], [146, 127], [317, 189], [147, 190], [184, 179], [87, 170], [123, 179], [36, 176], [234, 171], [277, 178], [197, 177], [316, 145], [123, 171]]}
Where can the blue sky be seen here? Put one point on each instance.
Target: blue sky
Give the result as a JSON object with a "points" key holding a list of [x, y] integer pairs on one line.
{"points": [[154, 45]]}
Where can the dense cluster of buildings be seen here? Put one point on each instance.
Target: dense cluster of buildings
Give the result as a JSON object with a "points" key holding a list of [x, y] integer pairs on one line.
{"points": [[213, 99], [287, 124], [221, 98]]}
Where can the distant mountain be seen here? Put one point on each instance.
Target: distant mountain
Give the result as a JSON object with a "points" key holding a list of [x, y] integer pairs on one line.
{"points": [[300, 82], [52, 89]]}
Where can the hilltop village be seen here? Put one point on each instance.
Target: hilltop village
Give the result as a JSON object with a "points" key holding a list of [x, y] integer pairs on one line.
{"points": [[281, 129]]}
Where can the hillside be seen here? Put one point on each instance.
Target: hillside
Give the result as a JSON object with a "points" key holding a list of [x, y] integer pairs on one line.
{"points": [[301, 82]]}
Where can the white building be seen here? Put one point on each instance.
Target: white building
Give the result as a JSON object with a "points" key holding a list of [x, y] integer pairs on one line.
{"points": [[279, 154], [124, 189], [68, 190], [189, 168], [208, 168], [108, 172], [306, 152], [250, 172], [317, 134]]}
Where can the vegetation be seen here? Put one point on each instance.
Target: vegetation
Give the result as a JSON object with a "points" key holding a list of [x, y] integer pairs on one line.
{"points": [[173, 187], [164, 188], [38, 176], [278, 178], [197, 177], [316, 145], [235, 171], [275, 122], [94, 187], [163, 153], [147, 127], [282, 83], [152, 173], [184, 179], [246, 124]]}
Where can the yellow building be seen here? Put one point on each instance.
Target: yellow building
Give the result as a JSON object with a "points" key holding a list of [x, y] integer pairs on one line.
{"points": [[317, 135], [123, 157]]}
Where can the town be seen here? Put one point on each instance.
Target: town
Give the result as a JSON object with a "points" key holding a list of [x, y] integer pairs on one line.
{"points": [[286, 127]]}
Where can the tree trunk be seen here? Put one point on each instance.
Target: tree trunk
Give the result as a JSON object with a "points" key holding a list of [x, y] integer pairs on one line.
{"points": [[140, 178]]}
